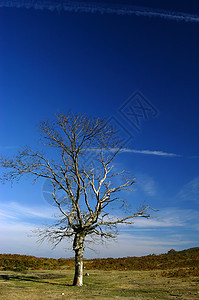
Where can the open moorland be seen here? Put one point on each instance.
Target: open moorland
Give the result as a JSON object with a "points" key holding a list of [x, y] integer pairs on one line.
{"points": [[174, 275]]}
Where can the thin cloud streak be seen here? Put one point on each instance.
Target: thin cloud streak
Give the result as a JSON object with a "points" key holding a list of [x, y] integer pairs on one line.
{"points": [[190, 191], [146, 152], [151, 152], [146, 184], [103, 8], [170, 217], [13, 210]]}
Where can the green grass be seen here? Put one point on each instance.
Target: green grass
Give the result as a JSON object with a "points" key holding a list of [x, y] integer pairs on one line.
{"points": [[44, 284]]}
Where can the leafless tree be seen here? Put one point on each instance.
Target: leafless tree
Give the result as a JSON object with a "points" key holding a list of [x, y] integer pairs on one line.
{"points": [[88, 186]]}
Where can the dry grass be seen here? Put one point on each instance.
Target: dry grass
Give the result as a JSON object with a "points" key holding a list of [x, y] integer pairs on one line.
{"points": [[149, 285]]}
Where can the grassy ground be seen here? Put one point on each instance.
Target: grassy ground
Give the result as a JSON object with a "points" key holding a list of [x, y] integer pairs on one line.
{"points": [[150, 285]]}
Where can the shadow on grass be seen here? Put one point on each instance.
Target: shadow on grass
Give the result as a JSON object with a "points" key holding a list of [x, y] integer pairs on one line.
{"points": [[32, 278]]}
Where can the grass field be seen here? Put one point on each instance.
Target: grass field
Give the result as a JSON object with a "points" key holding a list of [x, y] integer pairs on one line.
{"points": [[44, 284]]}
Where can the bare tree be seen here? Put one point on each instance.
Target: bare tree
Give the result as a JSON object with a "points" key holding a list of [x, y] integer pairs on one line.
{"points": [[88, 187]]}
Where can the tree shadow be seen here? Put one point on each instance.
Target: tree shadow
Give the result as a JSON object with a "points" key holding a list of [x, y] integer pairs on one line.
{"points": [[31, 278]]}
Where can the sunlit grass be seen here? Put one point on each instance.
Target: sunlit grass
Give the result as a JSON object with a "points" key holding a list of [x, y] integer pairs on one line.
{"points": [[57, 284]]}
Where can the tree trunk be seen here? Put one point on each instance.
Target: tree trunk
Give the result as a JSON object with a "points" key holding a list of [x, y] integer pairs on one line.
{"points": [[78, 278], [78, 247]]}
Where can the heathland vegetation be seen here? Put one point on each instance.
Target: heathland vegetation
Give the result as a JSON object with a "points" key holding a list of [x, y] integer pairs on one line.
{"points": [[183, 262], [174, 275]]}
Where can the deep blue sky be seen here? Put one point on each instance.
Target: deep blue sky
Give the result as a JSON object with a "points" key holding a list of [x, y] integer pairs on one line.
{"points": [[92, 63]]}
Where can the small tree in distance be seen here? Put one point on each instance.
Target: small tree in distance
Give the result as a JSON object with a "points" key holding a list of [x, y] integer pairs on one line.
{"points": [[88, 189]]}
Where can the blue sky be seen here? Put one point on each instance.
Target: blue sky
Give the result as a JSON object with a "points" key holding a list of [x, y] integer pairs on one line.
{"points": [[106, 65]]}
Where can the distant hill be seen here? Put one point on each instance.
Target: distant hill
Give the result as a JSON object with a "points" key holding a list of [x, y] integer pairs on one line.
{"points": [[191, 250], [188, 258]]}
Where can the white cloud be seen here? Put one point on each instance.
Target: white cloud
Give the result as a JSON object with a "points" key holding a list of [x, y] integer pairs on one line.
{"points": [[152, 152], [146, 236], [145, 152], [158, 222], [120, 9], [167, 218], [146, 183], [13, 210], [16, 239], [190, 192], [6, 215], [133, 245]]}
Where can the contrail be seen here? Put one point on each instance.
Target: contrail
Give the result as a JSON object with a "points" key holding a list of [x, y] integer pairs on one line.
{"points": [[103, 8]]}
